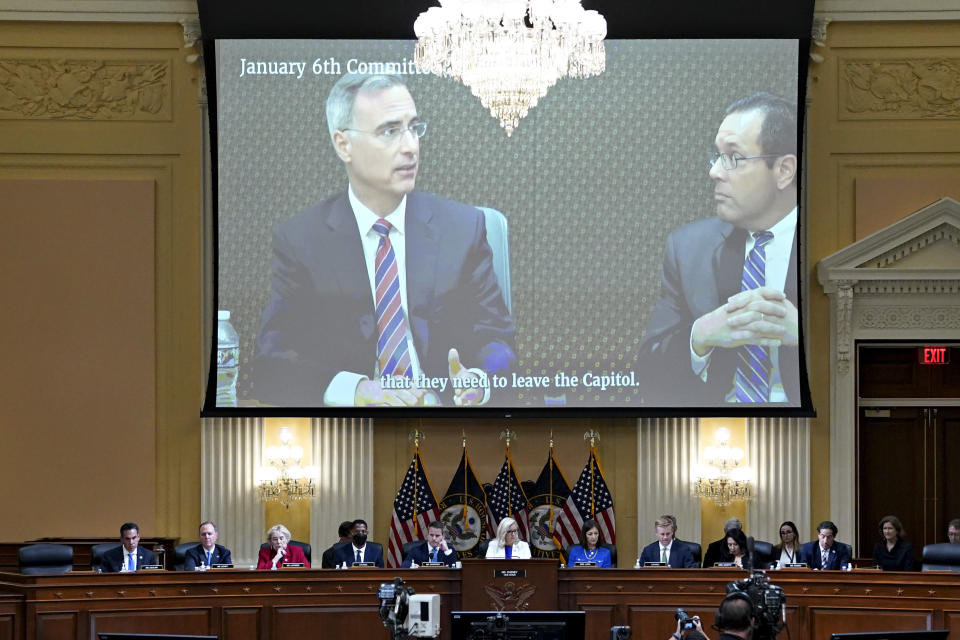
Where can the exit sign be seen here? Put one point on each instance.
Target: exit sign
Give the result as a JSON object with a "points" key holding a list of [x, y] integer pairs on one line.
{"points": [[933, 354]]}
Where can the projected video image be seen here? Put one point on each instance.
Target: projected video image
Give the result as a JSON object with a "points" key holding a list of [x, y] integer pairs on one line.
{"points": [[382, 242]]}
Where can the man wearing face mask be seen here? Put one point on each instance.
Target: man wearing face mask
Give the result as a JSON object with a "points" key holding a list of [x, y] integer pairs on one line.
{"points": [[359, 550]]}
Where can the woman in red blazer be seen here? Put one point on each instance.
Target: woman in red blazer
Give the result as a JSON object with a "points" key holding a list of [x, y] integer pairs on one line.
{"points": [[280, 553]]}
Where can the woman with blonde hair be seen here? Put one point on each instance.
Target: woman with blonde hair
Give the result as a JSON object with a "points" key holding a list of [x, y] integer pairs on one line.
{"points": [[508, 544], [278, 551]]}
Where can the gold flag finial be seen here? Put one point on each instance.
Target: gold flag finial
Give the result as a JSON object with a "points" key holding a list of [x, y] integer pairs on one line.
{"points": [[508, 435], [593, 436], [416, 437]]}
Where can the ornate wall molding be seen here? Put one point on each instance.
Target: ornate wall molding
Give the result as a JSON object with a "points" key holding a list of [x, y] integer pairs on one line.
{"points": [[901, 89], [945, 232], [908, 317], [79, 89], [887, 10], [844, 315], [908, 287]]}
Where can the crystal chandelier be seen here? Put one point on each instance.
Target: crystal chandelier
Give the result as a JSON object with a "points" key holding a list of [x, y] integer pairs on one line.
{"points": [[509, 52], [282, 479], [722, 479]]}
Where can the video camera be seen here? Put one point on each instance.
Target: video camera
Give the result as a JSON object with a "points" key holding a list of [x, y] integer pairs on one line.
{"points": [[769, 604], [406, 614]]}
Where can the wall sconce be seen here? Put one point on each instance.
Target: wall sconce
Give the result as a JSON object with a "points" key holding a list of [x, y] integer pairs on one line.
{"points": [[721, 478]]}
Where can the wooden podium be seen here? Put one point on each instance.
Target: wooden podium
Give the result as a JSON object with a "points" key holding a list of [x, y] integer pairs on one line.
{"points": [[509, 585]]}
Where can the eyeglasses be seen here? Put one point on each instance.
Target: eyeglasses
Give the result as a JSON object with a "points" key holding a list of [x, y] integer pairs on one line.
{"points": [[729, 160], [513, 531], [391, 134]]}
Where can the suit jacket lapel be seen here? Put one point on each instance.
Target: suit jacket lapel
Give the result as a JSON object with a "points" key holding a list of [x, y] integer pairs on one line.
{"points": [[729, 270], [347, 259], [421, 258]]}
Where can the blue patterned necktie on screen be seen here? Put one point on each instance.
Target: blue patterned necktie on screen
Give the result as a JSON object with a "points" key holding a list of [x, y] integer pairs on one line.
{"points": [[393, 356], [752, 379]]}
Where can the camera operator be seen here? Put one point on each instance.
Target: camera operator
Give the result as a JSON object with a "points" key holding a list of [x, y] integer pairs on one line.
{"points": [[688, 628], [734, 619]]}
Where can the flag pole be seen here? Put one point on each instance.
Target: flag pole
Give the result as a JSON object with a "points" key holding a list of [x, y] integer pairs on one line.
{"points": [[592, 435], [463, 437], [416, 435], [550, 494], [507, 434]]}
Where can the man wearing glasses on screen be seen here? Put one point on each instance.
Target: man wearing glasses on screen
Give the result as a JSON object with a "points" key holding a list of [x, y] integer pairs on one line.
{"points": [[725, 328], [381, 295]]}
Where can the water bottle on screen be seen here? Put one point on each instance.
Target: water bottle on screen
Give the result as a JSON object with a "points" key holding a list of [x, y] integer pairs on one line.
{"points": [[228, 360]]}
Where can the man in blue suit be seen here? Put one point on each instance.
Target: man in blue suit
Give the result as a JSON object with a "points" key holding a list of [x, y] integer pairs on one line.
{"points": [[380, 285], [208, 552], [826, 552], [433, 549], [129, 556], [667, 548], [359, 549]]}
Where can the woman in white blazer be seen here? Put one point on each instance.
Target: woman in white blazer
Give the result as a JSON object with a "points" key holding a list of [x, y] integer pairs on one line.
{"points": [[508, 544]]}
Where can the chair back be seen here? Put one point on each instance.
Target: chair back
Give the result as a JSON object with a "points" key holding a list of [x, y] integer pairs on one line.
{"points": [[612, 548], [762, 554], [180, 554], [943, 556], [97, 551], [496, 224], [304, 546], [696, 550], [38, 559], [407, 546], [483, 548]]}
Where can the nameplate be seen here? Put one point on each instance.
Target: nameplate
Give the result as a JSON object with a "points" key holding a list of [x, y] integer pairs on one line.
{"points": [[655, 564], [150, 567], [292, 565], [362, 565], [794, 565], [510, 573], [432, 564], [584, 563], [221, 565], [724, 565]]}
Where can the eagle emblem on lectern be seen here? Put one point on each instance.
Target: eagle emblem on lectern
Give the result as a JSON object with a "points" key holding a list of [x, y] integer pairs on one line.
{"points": [[511, 597]]}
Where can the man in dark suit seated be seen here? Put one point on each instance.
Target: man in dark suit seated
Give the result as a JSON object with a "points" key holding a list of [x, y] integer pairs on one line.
{"points": [[129, 556], [667, 548], [433, 549], [359, 550], [717, 550], [826, 552], [726, 328], [380, 285], [344, 531], [208, 552]]}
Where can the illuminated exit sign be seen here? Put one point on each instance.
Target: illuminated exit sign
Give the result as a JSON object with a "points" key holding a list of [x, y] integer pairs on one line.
{"points": [[933, 354]]}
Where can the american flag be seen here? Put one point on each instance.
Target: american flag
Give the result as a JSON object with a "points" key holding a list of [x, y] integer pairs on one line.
{"points": [[506, 498], [590, 498], [414, 491]]}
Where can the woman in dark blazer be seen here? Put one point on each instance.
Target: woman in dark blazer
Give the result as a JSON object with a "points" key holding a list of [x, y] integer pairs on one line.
{"points": [[893, 553]]}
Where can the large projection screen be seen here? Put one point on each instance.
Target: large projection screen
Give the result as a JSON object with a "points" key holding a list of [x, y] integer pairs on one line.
{"points": [[591, 184]]}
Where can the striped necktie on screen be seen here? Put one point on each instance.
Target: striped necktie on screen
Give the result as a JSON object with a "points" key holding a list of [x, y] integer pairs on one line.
{"points": [[393, 355], [752, 379]]}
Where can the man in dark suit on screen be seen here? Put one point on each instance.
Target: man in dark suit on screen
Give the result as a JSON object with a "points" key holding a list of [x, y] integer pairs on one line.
{"points": [[207, 553], [725, 328], [380, 285], [129, 556], [433, 549]]}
